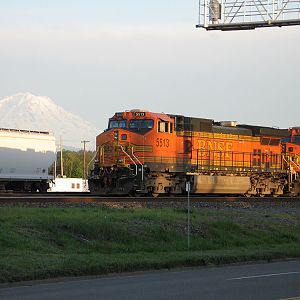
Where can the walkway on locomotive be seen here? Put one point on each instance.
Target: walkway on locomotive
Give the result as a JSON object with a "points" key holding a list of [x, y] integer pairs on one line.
{"points": [[154, 138]]}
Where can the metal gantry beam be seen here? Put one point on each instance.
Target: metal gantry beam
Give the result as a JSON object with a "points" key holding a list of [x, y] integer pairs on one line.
{"points": [[247, 14]]}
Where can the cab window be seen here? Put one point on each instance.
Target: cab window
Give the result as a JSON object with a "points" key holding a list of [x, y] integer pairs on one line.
{"points": [[165, 127], [296, 140], [117, 124], [141, 126]]}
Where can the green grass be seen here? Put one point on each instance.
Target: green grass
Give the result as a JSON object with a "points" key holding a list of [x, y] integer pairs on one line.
{"points": [[45, 243]]}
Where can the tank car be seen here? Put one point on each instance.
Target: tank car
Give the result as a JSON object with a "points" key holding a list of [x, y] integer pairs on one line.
{"points": [[150, 153], [25, 160]]}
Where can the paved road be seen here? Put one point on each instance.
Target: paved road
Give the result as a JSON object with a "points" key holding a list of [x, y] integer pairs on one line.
{"points": [[280, 280]]}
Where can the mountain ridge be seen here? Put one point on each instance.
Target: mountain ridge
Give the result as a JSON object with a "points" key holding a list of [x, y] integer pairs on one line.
{"points": [[30, 112]]}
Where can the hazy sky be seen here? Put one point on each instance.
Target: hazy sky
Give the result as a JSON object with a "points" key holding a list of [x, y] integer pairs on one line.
{"points": [[96, 57]]}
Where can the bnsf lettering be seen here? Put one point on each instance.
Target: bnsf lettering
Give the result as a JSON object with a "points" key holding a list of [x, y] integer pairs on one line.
{"points": [[215, 146], [162, 143]]}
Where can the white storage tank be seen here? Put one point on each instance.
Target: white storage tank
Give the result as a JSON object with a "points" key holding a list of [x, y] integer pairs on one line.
{"points": [[25, 157]]}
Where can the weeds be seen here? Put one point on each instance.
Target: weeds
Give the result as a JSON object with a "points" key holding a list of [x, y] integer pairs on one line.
{"points": [[44, 243]]}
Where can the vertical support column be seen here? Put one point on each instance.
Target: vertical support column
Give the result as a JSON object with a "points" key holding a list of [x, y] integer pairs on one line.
{"points": [[199, 17], [222, 11], [188, 189], [84, 163], [61, 160], [205, 14]]}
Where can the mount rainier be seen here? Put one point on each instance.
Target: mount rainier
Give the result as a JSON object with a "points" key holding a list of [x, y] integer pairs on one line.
{"points": [[30, 112]]}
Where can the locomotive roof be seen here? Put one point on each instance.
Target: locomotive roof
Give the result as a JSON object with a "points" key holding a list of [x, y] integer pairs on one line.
{"points": [[232, 130], [209, 125], [143, 114], [266, 131], [204, 120]]}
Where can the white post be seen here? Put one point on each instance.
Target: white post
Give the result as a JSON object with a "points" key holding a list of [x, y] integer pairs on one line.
{"points": [[61, 160], [188, 188], [199, 18], [84, 164], [205, 14]]}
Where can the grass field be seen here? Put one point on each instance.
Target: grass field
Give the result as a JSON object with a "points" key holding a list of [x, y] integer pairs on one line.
{"points": [[51, 242]]}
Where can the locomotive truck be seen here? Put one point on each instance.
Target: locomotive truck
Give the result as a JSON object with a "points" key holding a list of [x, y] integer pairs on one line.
{"points": [[146, 153]]}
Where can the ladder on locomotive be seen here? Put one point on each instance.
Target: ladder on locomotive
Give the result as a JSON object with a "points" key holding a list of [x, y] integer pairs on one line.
{"points": [[135, 161], [293, 168]]}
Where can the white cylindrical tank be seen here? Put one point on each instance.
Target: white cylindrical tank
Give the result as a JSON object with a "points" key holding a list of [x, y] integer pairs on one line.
{"points": [[26, 155]]}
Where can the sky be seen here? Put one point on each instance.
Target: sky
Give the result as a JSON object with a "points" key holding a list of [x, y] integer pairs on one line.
{"points": [[96, 57]]}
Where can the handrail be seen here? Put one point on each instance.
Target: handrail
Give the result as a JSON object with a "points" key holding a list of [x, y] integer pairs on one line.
{"points": [[136, 168], [139, 163], [238, 159], [291, 171], [93, 157], [296, 165], [293, 166], [290, 161]]}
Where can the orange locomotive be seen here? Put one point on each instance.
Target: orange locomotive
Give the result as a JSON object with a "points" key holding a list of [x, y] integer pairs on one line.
{"points": [[154, 153]]}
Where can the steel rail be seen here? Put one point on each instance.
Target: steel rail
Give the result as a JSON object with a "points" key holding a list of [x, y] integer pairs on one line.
{"points": [[75, 198]]}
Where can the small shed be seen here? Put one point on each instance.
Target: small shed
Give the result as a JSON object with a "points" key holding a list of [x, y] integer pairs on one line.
{"points": [[62, 184]]}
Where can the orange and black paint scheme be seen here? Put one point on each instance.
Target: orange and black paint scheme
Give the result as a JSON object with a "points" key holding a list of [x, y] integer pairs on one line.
{"points": [[145, 153]]}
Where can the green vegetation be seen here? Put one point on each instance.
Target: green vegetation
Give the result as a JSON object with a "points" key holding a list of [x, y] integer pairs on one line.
{"points": [[73, 163], [45, 243]]}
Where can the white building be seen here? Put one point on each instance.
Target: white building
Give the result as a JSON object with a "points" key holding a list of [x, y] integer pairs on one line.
{"points": [[69, 185]]}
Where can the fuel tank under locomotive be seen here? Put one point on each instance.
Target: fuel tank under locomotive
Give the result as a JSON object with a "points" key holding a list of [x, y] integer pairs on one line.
{"points": [[123, 182], [205, 184]]}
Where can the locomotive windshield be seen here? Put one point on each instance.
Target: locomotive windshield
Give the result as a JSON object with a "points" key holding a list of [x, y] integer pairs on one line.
{"points": [[295, 140], [117, 124], [141, 125]]}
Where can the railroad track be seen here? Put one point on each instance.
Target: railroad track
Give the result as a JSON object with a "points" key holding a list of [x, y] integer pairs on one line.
{"points": [[87, 198]]}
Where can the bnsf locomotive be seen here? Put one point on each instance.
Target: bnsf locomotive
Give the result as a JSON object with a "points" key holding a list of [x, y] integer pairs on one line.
{"points": [[150, 153]]}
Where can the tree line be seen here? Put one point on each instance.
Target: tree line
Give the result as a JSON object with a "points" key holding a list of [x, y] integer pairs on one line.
{"points": [[73, 163]]}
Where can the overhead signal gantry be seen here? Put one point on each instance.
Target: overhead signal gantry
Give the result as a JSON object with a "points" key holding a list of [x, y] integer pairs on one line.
{"points": [[247, 14]]}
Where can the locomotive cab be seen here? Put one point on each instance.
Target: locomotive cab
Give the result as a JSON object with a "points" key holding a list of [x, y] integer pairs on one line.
{"points": [[135, 137], [134, 143]]}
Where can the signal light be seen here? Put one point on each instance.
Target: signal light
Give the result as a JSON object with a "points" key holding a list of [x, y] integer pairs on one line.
{"points": [[116, 135]]}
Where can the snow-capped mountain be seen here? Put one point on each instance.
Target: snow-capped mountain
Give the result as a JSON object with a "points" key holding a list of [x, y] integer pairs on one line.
{"points": [[27, 111]]}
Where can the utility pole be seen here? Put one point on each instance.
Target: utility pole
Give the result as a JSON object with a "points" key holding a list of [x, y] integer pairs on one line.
{"points": [[61, 160], [84, 165]]}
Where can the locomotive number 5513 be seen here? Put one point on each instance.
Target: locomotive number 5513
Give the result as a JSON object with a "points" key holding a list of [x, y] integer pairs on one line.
{"points": [[162, 142]]}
